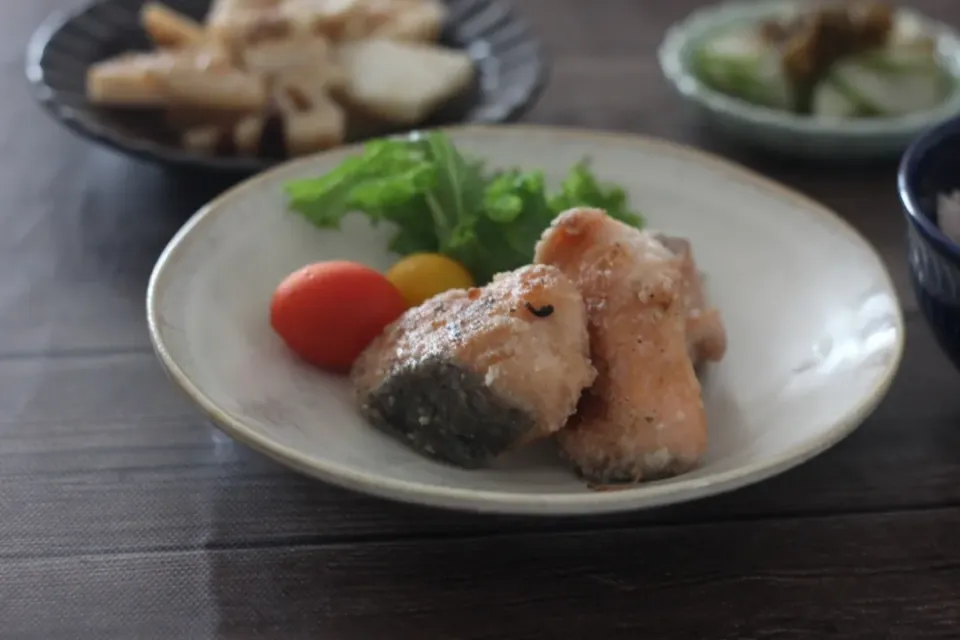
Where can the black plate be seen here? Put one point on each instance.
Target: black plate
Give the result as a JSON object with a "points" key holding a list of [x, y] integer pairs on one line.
{"points": [[511, 66]]}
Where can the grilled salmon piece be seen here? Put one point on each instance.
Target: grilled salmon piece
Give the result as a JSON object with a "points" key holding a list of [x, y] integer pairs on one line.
{"points": [[643, 418], [472, 373]]}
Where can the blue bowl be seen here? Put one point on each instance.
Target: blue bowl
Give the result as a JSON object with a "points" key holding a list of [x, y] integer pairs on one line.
{"points": [[931, 166]]}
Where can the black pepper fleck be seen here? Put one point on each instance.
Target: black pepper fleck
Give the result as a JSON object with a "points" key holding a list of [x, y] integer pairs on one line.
{"points": [[542, 312]]}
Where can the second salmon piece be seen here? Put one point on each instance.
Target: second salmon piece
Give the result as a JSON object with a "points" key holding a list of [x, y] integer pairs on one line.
{"points": [[643, 418]]}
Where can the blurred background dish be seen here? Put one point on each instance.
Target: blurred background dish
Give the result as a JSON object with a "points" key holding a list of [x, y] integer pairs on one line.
{"points": [[928, 179], [756, 73], [182, 45]]}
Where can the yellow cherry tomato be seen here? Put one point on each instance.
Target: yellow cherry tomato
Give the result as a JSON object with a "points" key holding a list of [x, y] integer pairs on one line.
{"points": [[421, 276]]}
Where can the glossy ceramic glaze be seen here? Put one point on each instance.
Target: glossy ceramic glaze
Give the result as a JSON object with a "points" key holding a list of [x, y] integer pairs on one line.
{"points": [[782, 132], [511, 73], [815, 331], [930, 167]]}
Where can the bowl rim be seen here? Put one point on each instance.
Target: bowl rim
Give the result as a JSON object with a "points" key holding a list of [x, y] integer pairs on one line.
{"points": [[514, 106], [682, 34], [487, 501], [918, 150]]}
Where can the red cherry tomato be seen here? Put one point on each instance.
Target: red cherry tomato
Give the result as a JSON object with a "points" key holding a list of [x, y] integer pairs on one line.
{"points": [[329, 312]]}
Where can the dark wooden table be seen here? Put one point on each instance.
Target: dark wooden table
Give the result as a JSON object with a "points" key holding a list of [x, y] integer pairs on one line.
{"points": [[124, 515]]}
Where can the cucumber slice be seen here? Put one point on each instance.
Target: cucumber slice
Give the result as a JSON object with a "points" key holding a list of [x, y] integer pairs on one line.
{"points": [[899, 60], [743, 66], [833, 100], [885, 84]]}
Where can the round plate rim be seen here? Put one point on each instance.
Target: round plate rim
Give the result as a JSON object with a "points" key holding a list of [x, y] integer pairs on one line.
{"points": [[154, 152], [640, 497]]}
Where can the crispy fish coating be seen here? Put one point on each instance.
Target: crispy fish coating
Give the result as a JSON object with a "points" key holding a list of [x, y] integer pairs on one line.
{"points": [[472, 373]]}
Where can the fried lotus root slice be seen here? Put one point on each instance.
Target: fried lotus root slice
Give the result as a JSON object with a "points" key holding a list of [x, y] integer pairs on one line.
{"points": [[312, 120], [168, 28], [194, 79], [643, 418], [473, 373], [131, 79]]}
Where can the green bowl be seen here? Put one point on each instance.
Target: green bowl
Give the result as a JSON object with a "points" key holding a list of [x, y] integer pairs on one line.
{"points": [[855, 139]]}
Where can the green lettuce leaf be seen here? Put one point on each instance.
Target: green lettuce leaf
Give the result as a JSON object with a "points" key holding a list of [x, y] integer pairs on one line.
{"points": [[442, 201]]}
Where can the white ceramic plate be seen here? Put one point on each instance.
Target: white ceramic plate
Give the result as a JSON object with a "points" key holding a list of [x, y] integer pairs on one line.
{"points": [[815, 331], [787, 133]]}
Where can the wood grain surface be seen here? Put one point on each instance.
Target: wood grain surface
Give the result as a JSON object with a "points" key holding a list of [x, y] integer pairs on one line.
{"points": [[124, 515]]}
